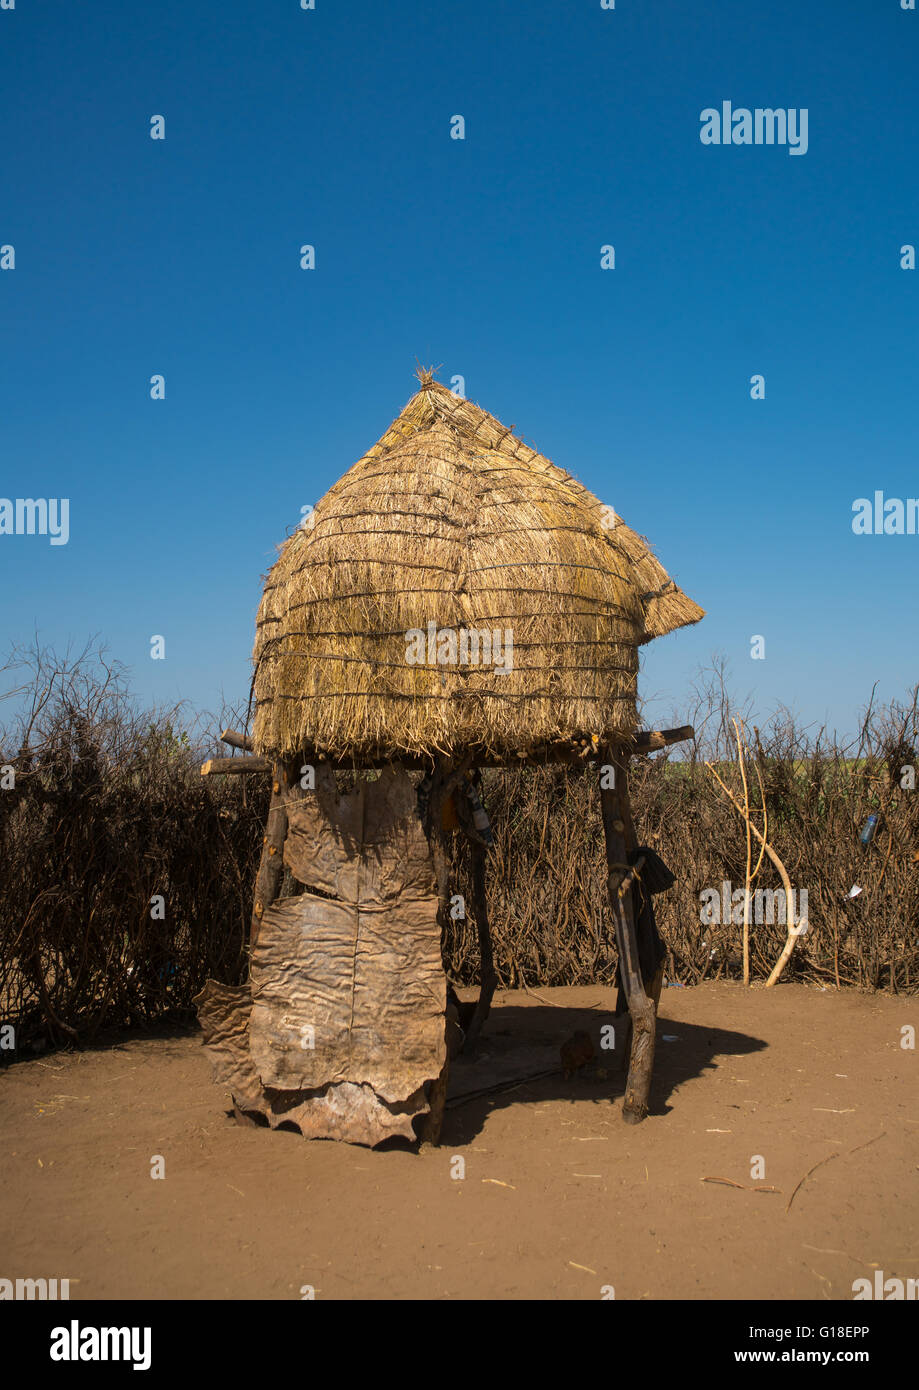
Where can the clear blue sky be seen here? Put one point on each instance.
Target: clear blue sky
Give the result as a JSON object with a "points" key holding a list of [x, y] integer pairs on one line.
{"points": [[332, 127]]}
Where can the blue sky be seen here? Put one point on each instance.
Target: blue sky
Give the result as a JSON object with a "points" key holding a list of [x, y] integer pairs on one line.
{"points": [[332, 127]]}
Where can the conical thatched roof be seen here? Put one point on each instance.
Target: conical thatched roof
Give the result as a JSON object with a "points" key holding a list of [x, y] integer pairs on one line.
{"points": [[451, 520]]}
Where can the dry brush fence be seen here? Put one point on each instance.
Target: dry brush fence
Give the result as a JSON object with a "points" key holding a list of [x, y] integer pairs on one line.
{"points": [[126, 879], [547, 885]]}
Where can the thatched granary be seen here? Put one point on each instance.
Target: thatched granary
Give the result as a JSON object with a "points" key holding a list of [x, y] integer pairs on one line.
{"points": [[454, 600], [452, 520]]}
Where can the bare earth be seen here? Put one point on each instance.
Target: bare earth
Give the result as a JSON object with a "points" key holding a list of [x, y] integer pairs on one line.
{"points": [[559, 1197]]}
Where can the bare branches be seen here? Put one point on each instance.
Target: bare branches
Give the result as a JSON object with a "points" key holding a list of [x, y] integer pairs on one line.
{"points": [[126, 879]]}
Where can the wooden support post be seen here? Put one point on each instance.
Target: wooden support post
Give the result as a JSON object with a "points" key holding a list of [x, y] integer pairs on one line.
{"points": [[271, 865], [236, 740], [648, 740], [443, 780], [234, 767], [488, 977], [488, 980], [446, 782], [430, 1127], [620, 836]]}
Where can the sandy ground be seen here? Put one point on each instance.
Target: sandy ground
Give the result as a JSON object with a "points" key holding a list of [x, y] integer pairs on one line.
{"points": [[560, 1199]]}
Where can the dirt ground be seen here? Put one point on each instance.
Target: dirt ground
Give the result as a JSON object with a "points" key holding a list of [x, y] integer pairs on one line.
{"points": [[560, 1198]]}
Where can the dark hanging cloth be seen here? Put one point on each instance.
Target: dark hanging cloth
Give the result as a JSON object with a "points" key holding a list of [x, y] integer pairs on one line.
{"points": [[654, 877]]}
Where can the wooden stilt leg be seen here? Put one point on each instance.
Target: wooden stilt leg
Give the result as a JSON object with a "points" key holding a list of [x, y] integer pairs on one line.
{"points": [[270, 874], [488, 978], [437, 1097], [618, 829], [271, 865], [443, 780], [652, 990]]}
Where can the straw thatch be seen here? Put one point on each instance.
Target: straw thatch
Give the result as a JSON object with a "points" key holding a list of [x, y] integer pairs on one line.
{"points": [[451, 519]]}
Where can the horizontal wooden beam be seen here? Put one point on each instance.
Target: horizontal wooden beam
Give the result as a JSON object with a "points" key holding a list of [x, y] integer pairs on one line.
{"points": [[236, 740], [234, 766], [648, 740], [575, 751]]}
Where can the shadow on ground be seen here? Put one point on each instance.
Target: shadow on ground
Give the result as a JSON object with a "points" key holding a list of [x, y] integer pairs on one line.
{"points": [[517, 1062]]}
